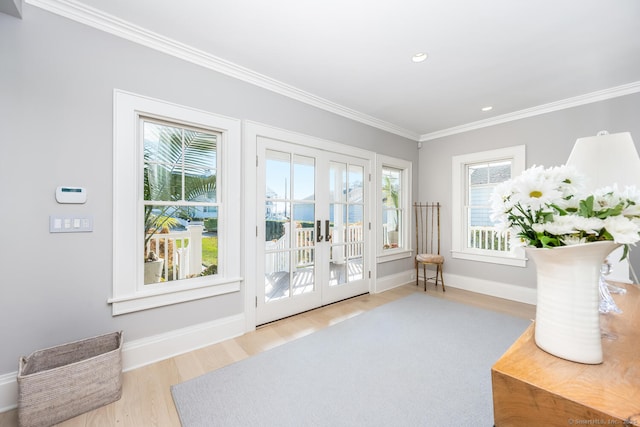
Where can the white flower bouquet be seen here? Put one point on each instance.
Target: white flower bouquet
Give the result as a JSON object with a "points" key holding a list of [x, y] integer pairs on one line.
{"points": [[546, 208]]}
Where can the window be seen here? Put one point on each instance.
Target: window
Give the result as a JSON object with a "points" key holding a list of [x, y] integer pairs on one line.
{"points": [[179, 188], [394, 180], [475, 175], [173, 220]]}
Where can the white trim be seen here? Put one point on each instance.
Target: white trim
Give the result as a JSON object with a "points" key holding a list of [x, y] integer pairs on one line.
{"points": [[108, 23], [8, 391], [563, 104], [486, 287], [492, 288], [143, 301], [145, 351], [458, 193], [395, 255], [405, 167], [127, 243], [504, 259], [394, 280], [251, 132], [148, 350]]}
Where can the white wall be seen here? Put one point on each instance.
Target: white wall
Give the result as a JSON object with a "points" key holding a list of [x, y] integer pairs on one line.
{"points": [[56, 99], [549, 139]]}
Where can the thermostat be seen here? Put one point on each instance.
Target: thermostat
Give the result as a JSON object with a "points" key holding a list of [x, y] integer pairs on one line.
{"points": [[71, 194]]}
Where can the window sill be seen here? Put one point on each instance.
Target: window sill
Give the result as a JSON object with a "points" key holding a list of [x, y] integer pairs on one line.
{"points": [[512, 260], [393, 255], [161, 297]]}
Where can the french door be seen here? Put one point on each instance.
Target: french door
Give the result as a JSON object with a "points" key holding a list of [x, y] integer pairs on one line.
{"points": [[315, 231]]}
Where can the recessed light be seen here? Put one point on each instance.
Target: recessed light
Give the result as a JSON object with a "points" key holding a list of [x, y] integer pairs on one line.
{"points": [[419, 57], [487, 108]]}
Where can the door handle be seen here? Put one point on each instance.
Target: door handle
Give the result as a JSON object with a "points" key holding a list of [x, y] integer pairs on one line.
{"points": [[318, 231], [327, 231]]}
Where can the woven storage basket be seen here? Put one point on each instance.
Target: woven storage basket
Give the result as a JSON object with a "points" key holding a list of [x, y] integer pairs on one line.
{"points": [[61, 382]]}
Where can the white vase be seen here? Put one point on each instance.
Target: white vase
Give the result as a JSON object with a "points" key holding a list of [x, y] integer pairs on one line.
{"points": [[567, 316]]}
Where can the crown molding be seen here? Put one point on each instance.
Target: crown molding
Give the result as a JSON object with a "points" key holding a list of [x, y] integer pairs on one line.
{"points": [[108, 23], [588, 98]]}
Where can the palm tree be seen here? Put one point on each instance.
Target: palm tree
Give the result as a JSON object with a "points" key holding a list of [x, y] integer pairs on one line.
{"points": [[177, 167], [390, 191]]}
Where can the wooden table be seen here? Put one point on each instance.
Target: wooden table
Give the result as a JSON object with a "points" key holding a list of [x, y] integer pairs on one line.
{"points": [[533, 388]]}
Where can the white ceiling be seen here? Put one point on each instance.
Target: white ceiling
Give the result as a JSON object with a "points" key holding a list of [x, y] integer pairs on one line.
{"points": [[515, 55]]}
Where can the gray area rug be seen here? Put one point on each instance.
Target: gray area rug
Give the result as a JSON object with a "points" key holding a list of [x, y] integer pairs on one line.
{"points": [[417, 361]]}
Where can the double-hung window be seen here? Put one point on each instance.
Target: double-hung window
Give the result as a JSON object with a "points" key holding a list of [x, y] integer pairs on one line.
{"points": [[174, 222], [475, 176], [394, 180]]}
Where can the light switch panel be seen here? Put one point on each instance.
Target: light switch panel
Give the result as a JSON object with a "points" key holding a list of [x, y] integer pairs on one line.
{"points": [[70, 223]]}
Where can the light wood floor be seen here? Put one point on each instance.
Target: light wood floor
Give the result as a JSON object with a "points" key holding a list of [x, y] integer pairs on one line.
{"points": [[146, 397]]}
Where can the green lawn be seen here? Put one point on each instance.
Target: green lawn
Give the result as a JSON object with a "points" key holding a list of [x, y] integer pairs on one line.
{"points": [[210, 251]]}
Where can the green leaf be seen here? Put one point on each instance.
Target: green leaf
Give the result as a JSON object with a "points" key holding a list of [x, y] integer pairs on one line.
{"points": [[585, 207]]}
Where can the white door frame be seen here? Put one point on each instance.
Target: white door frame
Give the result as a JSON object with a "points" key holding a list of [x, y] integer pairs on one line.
{"points": [[251, 131]]}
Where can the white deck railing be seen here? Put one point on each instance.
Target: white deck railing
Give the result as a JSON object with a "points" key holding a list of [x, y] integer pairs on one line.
{"points": [[181, 251], [487, 238], [304, 245]]}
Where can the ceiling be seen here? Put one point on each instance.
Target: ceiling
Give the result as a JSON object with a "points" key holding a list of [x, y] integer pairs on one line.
{"points": [[354, 56]]}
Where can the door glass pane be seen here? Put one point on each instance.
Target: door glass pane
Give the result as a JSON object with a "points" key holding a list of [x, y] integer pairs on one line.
{"points": [[289, 226], [304, 273], [354, 265], [338, 217], [337, 273], [354, 230], [278, 168], [356, 179], [338, 182], [303, 226], [304, 178], [276, 275]]}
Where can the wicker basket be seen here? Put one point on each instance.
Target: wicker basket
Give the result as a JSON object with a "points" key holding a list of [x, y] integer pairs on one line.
{"points": [[61, 382]]}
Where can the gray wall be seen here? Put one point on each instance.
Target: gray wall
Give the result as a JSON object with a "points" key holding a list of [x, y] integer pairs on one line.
{"points": [[549, 139], [56, 99]]}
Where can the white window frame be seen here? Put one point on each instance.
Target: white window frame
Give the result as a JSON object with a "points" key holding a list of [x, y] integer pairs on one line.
{"points": [[129, 293], [516, 154], [406, 251]]}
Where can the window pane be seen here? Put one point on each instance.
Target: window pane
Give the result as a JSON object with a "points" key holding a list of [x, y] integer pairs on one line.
{"points": [[162, 143], [338, 182], [278, 174], [391, 187], [200, 150], [304, 178], [179, 165], [356, 178], [391, 208], [481, 233], [478, 174], [276, 276], [304, 228], [304, 273], [174, 249], [354, 265], [161, 184], [499, 172]]}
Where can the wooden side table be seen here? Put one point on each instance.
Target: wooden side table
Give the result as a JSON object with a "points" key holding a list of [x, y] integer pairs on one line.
{"points": [[534, 388]]}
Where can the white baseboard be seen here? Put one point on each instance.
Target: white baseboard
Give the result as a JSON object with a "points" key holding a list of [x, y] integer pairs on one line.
{"points": [[394, 280], [481, 286], [145, 351], [8, 391], [492, 288]]}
